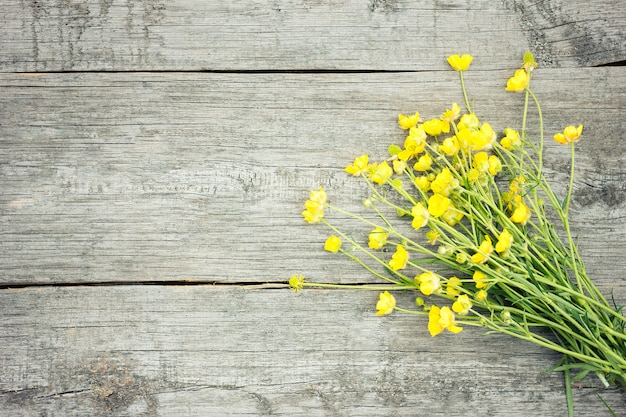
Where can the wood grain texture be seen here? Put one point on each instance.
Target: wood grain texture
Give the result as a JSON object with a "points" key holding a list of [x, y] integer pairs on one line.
{"points": [[201, 177], [158, 35], [215, 351]]}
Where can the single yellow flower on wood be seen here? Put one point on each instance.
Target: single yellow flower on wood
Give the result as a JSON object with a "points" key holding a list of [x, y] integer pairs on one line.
{"points": [[386, 303], [332, 244], [518, 82], [438, 204], [460, 63], [420, 216], [399, 259], [377, 238], [570, 134], [440, 319]]}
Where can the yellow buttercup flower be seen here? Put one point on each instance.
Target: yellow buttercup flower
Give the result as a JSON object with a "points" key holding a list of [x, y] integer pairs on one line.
{"points": [[423, 183], [296, 283], [438, 204], [440, 319], [444, 183], [420, 216], [414, 144], [424, 163], [495, 165], [473, 175], [399, 259], [452, 215], [511, 140], [453, 287], [377, 238], [314, 206], [484, 250], [428, 282], [505, 240], [450, 146], [481, 161], [570, 134], [521, 214], [386, 303], [399, 166], [481, 295], [462, 305], [480, 278], [332, 244], [450, 115], [518, 82], [460, 63], [407, 122], [432, 236], [469, 121], [359, 166], [435, 127], [381, 173]]}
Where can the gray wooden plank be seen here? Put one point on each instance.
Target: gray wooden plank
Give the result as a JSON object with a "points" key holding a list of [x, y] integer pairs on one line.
{"points": [[126, 35], [217, 351], [165, 177]]}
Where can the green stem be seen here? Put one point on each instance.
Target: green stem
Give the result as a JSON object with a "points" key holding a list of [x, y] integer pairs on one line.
{"points": [[467, 105]]}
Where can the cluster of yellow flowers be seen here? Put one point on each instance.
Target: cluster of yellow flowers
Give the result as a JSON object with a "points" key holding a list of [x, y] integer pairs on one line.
{"points": [[477, 194]]}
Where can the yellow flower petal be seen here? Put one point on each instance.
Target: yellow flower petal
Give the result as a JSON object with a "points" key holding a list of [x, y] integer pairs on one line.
{"points": [[386, 303], [460, 63], [332, 244]]}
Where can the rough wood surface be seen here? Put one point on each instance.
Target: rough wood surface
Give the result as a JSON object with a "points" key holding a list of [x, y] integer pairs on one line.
{"points": [[154, 177], [128, 35], [123, 193], [215, 351]]}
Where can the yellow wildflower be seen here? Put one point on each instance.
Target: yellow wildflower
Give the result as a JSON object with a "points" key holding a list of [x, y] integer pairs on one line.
{"points": [[481, 295], [314, 206], [440, 319], [435, 127], [570, 134], [423, 183], [438, 204], [444, 182], [521, 214], [332, 244], [468, 121], [452, 215], [505, 240], [511, 140], [518, 82], [432, 236], [359, 166], [480, 278], [450, 146], [462, 305], [399, 166], [420, 216], [495, 165], [424, 163], [381, 172], [414, 144], [473, 175], [481, 161], [461, 258], [296, 283], [377, 238], [399, 259], [428, 282], [484, 250], [452, 287], [450, 115], [407, 122], [460, 63], [386, 303]]}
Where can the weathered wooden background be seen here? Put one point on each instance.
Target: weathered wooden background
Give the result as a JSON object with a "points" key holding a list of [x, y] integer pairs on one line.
{"points": [[154, 158]]}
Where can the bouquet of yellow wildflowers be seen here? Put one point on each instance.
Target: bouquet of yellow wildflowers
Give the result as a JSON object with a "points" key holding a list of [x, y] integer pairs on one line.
{"points": [[490, 254]]}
